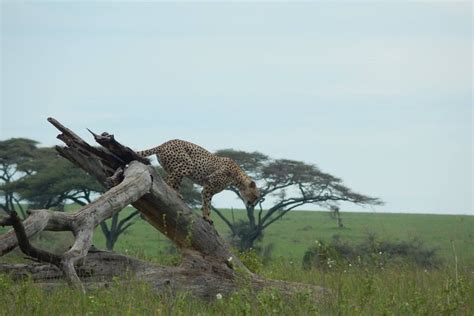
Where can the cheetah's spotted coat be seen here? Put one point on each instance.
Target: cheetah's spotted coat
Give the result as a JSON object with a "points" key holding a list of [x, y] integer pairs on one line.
{"points": [[184, 159]]}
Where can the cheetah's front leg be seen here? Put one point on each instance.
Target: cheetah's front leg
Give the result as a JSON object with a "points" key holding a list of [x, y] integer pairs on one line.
{"points": [[215, 183]]}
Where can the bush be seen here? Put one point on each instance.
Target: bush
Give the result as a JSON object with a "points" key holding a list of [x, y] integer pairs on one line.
{"points": [[251, 260], [239, 240], [322, 256], [370, 251]]}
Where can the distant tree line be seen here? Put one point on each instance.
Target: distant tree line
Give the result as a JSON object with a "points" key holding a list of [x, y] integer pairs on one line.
{"points": [[285, 185]]}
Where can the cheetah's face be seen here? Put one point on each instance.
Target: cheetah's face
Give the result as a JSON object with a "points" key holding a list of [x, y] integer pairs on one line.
{"points": [[251, 194]]}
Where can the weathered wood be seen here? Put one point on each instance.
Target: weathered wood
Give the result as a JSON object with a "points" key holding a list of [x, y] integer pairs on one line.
{"points": [[208, 266], [136, 183], [25, 245], [102, 269], [36, 222], [124, 153], [74, 141]]}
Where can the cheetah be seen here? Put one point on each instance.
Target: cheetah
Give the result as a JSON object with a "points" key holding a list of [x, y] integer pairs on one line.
{"points": [[181, 159]]}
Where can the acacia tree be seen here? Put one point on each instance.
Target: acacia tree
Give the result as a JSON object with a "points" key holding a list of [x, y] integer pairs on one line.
{"points": [[15, 153], [336, 214], [290, 184], [51, 181]]}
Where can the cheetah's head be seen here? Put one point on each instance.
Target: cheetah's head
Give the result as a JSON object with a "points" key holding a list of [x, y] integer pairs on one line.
{"points": [[250, 193]]}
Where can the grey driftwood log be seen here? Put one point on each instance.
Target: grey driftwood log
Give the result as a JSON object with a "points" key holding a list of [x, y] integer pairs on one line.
{"points": [[208, 266]]}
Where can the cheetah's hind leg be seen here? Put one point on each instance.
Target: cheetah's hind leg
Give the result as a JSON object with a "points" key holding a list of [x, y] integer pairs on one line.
{"points": [[174, 181]]}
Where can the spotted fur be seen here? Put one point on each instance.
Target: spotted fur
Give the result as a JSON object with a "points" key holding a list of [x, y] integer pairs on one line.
{"points": [[181, 159]]}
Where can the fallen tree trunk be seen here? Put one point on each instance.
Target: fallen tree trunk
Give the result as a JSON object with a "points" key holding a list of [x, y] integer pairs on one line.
{"points": [[208, 266]]}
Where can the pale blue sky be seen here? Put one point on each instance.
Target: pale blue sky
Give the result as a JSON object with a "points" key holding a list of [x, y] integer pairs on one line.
{"points": [[377, 93]]}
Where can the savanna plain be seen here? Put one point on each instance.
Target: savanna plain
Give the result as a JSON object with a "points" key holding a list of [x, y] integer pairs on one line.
{"points": [[434, 274]]}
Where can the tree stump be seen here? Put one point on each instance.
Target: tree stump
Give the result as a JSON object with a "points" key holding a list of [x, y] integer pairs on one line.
{"points": [[208, 266]]}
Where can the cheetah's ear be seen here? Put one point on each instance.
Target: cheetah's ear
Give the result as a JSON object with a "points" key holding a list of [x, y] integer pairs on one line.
{"points": [[252, 184]]}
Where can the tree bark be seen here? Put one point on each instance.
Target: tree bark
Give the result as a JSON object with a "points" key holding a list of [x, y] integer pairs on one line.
{"points": [[208, 266]]}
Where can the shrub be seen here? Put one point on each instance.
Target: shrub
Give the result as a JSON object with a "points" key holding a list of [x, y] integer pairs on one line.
{"points": [[251, 260], [370, 251], [321, 255]]}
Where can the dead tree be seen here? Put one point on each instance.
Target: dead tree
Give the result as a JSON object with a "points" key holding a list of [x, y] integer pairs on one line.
{"points": [[208, 266]]}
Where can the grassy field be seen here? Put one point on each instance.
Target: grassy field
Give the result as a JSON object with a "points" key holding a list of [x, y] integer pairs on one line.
{"points": [[403, 290], [292, 235], [297, 231], [358, 290]]}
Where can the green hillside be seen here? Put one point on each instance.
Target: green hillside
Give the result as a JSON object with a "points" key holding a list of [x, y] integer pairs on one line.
{"points": [[293, 234], [359, 290]]}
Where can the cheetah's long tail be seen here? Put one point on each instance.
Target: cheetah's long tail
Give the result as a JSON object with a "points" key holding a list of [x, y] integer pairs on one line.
{"points": [[148, 152]]}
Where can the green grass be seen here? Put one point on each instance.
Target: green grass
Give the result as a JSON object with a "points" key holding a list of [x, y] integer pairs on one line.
{"points": [[297, 231], [400, 289], [403, 290]]}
